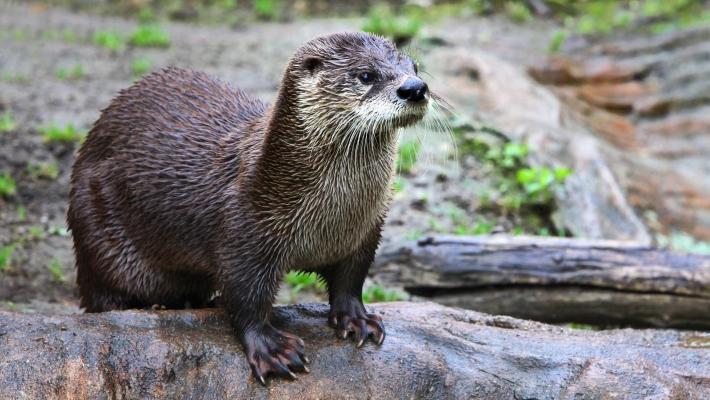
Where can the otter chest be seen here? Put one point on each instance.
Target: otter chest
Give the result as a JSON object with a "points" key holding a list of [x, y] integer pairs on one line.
{"points": [[339, 215]]}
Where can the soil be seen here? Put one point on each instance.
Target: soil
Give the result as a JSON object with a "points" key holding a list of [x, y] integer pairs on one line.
{"points": [[34, 45]]}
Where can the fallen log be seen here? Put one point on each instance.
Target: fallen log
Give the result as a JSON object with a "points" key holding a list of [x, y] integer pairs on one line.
{"points": [[431, 351], [607, 283]]}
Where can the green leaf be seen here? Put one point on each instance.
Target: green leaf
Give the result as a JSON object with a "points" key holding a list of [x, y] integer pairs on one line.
{"points": [[8, 187], [561, 174], [150, 36], [6, 256]]}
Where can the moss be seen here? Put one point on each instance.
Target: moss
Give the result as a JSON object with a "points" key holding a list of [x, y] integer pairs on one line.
{"points": [[110, 40], [140, 66], [8, 187], [6, 253], [62, 134], [7, 122], [401, 27], [407, 156], [71, 73], [150, 35], [379, 294]]}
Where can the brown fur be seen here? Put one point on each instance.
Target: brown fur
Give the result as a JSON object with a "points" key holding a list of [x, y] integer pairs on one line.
{"points": [[186, 186]]}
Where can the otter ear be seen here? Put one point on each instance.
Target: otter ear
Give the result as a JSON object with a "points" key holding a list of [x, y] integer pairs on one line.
{"points": [[312, 64]]}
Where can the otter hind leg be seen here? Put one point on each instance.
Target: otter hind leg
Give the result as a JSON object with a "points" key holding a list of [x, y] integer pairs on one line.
{"points": [[160, 290], [97, 296], [101, 300], [113, 273], [175, 294]]}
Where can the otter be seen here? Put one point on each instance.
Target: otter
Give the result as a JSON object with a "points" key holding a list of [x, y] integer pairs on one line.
{"points": [[186, 187]]}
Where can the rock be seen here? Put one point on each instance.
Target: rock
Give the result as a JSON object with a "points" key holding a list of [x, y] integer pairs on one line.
{"points": [[647, 99], [431, 351], [593, 204], [618, 97]]}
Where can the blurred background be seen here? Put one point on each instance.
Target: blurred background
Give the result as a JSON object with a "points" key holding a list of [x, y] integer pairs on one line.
{"points": [[584, 119]]}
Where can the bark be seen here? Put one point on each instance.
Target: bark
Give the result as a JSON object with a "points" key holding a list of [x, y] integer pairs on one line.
{"points": [[555, 279], [431, 351]]}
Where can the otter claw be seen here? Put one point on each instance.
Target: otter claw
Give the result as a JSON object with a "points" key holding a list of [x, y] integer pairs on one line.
{"points": [[270, 351], [381, 338], [351, 317]]}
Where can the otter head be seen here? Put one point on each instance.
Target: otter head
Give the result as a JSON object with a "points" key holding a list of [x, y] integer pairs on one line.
{"points": [[355, 83]]}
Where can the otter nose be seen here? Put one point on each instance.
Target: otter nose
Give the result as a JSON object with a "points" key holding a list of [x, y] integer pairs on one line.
{"points": [[413, 89]]}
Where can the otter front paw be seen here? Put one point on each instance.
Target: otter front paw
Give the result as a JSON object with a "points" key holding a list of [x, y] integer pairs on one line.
{"points": [[271, 351], [350, 316]]}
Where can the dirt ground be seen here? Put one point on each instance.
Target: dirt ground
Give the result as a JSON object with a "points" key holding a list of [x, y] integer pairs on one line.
{"points": [[34, 45]]}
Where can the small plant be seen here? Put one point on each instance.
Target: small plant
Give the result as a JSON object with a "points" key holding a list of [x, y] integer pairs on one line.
{"points": [[110, 40], [518, 11], [379, 294], [21, 214], [69, 36], [481, 227], [35, 232], [683, 242], [586, 327], [228, 4], [299, 281], [539, 182], [407, 156], [398, 185], [523, 193], [266, 9], [71, 73], [462, 225], [6, 253], [140, 66], [557, 40], [47, 170], [7, 122], [510, 156], [50, 35], [436, 225], [8, 187], [19, 35], [401, 27], [414, 234], [15, 77], [520, 184], [146, 15], [67, 134], [58, 230], [151, 35], [55, 268]]}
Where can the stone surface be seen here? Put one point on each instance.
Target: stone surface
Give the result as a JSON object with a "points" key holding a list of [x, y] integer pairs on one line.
{"points": [[431, 352], [647, 98], [593, 204]]}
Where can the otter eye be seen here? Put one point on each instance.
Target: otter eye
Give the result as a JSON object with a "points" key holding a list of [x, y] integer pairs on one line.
{"points": [[366, 77]]}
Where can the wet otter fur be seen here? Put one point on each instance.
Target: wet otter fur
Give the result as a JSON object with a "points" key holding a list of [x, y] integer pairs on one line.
{"points": [[186, 186]]}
